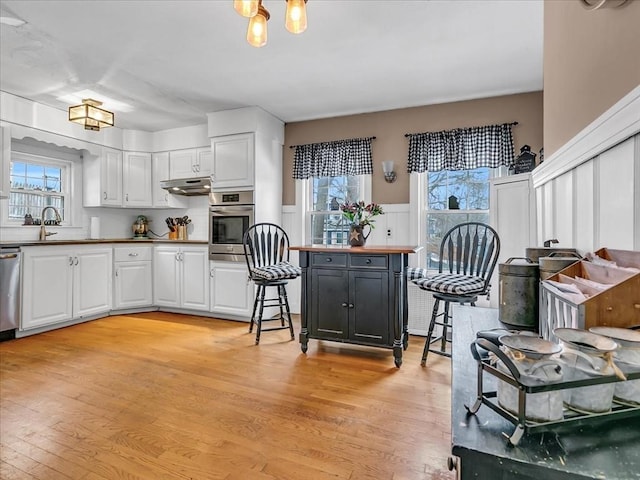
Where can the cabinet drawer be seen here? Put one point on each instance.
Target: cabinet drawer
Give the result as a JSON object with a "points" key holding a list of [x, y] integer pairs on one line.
{"points": [[132, 254], [329, 259], [369, 261]]}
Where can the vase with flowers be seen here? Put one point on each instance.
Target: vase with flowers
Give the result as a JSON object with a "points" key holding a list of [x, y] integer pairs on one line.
{"points": [[360, 215]]}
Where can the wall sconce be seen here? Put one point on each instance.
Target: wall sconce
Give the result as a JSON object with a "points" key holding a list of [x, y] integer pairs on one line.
{"points": [[389, 174]]}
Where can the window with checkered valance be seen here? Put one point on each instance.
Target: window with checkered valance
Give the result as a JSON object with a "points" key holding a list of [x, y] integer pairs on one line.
{"points": [[461, 148], [333, 159]]}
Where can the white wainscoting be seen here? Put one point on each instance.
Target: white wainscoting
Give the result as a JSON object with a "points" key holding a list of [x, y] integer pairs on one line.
{"points": [[588, 193]]}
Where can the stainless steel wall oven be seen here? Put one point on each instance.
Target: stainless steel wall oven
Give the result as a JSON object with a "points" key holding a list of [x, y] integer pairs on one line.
{"points": [[230, 215]]}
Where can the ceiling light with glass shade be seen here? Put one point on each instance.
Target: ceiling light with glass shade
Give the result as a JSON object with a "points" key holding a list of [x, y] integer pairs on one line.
{"points": [[90, 115], [295, 18]]}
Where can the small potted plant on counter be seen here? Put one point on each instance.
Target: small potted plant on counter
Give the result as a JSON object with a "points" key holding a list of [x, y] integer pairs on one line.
{"points": [[360, 215]]}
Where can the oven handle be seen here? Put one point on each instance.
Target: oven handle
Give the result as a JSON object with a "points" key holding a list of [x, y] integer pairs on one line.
{"points": [[231, 209]]}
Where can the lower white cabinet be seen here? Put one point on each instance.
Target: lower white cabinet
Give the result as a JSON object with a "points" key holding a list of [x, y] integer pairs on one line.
{"points": [[231, 291], [181, 277], [133, 277], [64, 283]]}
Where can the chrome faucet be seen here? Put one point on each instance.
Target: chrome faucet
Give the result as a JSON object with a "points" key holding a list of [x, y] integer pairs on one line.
{"points": [[43, 231]]}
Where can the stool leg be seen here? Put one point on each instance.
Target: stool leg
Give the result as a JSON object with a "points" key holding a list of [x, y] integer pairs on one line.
{"points": [[286, 306], [281, 297], [259, 322], [445, 327], [255, 306], [425, 352]]}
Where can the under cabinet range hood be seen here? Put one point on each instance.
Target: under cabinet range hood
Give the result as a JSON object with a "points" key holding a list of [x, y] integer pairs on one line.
{"points": [[188, 186]]}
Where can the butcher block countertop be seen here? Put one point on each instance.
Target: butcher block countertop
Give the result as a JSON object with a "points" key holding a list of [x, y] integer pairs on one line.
{"points": [[364, 250], [38, 243]]}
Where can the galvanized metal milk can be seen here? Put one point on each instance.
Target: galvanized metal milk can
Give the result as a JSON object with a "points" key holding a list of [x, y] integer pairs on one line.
{"points": [[518, 293]]}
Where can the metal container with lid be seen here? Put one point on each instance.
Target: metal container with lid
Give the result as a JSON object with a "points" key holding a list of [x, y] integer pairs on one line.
{"points": [[518, 293], [534, 253], [555, 262]]}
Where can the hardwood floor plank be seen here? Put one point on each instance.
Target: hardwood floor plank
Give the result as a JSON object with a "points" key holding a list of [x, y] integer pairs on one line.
{"points": [[167, 396]]}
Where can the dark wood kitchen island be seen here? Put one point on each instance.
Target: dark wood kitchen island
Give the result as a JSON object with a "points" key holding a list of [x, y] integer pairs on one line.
{"points": [[608, 450], [355, 295]]}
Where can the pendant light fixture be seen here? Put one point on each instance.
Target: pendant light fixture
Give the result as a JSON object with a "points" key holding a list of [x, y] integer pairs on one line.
{"points": [[257, 31], [295, 18], [90, 115]]}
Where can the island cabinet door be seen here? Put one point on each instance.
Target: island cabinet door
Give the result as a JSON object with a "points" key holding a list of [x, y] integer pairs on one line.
{"points": [[329, 303], [369, 307]]}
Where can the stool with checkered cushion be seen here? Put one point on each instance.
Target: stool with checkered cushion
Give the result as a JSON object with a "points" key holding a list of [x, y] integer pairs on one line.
{"points": [[266, 248], [468, 255]]}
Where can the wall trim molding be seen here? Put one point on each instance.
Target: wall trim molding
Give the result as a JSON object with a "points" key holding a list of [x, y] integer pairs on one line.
{"points": [[618, 123]]}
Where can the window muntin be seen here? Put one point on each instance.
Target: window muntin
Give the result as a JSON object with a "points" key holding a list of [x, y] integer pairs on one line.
{"points": [[37, 182], [326, 195], [453, 197]]}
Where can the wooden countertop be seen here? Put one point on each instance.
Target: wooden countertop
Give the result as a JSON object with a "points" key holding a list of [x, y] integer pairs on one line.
{"points": [[367, 249]]}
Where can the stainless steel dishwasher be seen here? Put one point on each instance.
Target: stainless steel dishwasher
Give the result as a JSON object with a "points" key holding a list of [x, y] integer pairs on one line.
{"points": [[9, 291]]}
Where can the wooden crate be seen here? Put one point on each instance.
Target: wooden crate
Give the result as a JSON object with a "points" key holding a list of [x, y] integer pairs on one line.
{"points": [[617, 306]]}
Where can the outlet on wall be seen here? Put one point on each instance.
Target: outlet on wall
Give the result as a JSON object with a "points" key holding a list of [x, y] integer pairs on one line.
{"points": [[388, 232]]}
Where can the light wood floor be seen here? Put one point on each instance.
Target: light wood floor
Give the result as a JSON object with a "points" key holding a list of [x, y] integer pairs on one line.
{"points": [[163, 396]]}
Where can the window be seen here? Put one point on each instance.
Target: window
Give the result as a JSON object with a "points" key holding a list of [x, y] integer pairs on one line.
{"points": [[37, 182], [326, 195], [454, 197]]}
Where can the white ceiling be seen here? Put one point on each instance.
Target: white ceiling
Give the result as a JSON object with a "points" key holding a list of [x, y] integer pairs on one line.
{"points": [[175, 60]]}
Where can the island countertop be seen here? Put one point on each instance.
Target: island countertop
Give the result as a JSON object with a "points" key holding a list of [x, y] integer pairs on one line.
{"points": [[364, 249]]}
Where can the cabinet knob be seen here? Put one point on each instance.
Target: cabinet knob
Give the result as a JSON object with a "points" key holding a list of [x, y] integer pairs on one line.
{"points": [[452, 464], [127, 197], [344, 304], [71, 261], [329, 259], [368, 261], [104, 195], [351, 305], [133, 254]]}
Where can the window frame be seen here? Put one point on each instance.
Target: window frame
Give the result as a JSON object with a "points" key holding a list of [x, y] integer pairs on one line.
{"points": [[304, 193], [66, 179]]}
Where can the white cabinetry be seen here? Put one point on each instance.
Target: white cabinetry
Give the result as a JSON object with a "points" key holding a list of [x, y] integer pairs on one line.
{"points": [[132, 276], [231, 292], [63, 283], [192, 162], [137, 179], [181, 277], [233, 161], [102, 179], [160, 171], [513, 215], [5, 160]]}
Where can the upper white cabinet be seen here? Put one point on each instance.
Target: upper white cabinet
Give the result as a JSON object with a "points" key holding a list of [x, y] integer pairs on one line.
{"points": [[159, 172], [192, 162], [64, 283], [102, 179], [5, 160], [233, 161], [137, 179]]}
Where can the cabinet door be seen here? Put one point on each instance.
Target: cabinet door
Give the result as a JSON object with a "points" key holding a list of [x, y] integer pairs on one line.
{"points": [[47, 286], [159, 172], [166, 291], [204, 166], [5, 160], [133, 285], [231, 293], [111, 177], [182, 163], [137, 179], [195, 278], [369, 316], [233, 161], [92, 281], [329, 303]]}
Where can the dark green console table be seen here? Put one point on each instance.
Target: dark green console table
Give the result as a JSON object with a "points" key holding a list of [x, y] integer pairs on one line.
{"points": [[355, 295]]}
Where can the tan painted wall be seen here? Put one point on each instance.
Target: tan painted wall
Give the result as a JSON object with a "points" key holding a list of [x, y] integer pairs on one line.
{"points": [[591, 60], [389, 128]]}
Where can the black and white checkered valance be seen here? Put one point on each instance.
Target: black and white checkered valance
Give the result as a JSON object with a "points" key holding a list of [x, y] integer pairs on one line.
{"points": [[461, 148], [332, 159]]}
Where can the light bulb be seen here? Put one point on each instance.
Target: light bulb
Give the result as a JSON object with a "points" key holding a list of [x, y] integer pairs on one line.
{"points": [[296, 16], [246, 8], [257, 31]]}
